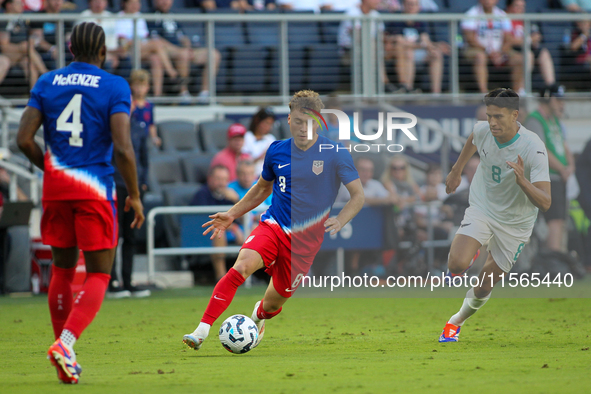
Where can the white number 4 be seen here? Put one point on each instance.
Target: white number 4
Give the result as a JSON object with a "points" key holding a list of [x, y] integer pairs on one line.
{"points": [[75, 126]]}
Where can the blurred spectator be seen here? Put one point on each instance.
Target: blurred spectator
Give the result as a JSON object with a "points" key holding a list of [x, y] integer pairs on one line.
{"points": [[178, 47], [4, 67], [140, 123], [44, 34], [32, 5], [150, 49], [375, 192], [395, 6], [490, 40], [97, 9], [259, 5], [338, 5], [142, 109], [245, 179], [545, 122], [580, 45], [539, 54], [577, 5], [375, 195], [440, 218], [258, 138], [398, 179], [210, 5], [300, 5], [232, 153], [16, 44], [345, 38], [409, 43], [217, 192]]}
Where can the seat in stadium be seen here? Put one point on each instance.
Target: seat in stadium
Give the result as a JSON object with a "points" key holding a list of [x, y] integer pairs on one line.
{"points": [[214, 134], [330, 30], [179, 136], [297, 70], [303, 34], [164, 170], [263, 33], [195, 168], [248, 72], [324, 67], [229, 35], [177, 196]]}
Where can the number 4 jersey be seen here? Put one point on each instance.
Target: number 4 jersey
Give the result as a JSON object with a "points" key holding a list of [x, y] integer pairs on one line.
{"points": [[494, 190], [77, 102]]}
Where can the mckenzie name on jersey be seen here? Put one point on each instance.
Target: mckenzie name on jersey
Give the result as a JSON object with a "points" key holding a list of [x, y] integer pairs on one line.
{"points": [[493, 189], [305, 186], [77, 102]]}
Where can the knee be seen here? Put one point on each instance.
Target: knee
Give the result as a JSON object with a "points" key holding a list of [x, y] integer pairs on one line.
{"points": [[455, 262]]}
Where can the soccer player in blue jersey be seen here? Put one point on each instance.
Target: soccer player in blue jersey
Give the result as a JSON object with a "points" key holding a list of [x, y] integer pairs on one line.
{"points": [[85, 116], [304, 181]]}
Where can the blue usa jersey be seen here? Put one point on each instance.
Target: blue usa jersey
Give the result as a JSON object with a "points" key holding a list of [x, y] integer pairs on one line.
{"points": [[305, 185], [77, 102]]}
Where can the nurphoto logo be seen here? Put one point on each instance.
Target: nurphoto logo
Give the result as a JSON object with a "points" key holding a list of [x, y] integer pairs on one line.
{"points": [[392, 119]]}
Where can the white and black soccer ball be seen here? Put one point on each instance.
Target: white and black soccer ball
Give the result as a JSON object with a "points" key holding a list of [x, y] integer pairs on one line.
{"points": [[238, 334]]}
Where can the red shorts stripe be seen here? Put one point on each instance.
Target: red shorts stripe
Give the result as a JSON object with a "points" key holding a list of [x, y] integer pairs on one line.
{"points": [[89, 224]]}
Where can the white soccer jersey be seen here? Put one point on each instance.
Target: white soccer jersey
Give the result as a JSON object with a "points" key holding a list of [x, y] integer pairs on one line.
{"points": [[493, 189]]}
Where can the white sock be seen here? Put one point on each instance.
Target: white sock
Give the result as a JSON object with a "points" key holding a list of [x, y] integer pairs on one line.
{"points": [[202, 330], [469, 307], [68, 339]]}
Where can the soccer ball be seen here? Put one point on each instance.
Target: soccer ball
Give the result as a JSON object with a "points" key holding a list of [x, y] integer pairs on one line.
{"points": [[238, 334]]}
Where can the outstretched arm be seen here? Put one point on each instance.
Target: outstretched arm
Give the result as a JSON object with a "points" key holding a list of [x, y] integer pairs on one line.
{"points": [[454, 178], [222, 220], [30, 122]]}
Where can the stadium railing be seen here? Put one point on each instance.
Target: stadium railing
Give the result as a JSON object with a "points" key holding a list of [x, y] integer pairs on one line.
{"points": [[364, 67], [152, 251]]}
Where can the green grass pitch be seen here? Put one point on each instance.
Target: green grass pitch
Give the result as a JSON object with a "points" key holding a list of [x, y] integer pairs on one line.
{"points": [[316, 345]]}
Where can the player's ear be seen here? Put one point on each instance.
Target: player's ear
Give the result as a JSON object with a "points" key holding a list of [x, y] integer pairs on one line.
{"points": [[103, 51], [289, 119]]}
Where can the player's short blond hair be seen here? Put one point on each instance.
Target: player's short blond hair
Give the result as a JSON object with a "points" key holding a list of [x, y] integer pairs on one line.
{"points": [[306, 99], [139, 76]]}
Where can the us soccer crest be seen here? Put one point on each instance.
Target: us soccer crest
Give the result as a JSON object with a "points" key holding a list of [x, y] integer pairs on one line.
{"points": [[318, 167]]}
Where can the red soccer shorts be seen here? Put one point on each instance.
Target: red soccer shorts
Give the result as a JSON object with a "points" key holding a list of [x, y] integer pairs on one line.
{"points": [[274, 246], [89, 224]]}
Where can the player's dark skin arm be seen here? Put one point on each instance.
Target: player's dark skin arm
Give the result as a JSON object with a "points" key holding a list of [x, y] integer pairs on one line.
{"points": [[454, 178], [125, 160], [351, 208], [254, 197], [30, 122], [538, 192]]}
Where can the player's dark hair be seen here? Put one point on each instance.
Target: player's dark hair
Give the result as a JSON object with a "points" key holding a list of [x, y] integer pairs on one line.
{"points": [[87, 40], [503, 98], [261, 115]]}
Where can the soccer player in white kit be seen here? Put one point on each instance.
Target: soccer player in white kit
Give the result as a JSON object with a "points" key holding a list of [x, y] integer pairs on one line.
{"points": [[511, 183]]}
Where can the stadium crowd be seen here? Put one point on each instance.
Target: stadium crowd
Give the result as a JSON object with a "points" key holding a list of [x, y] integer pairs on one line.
{"points": [[174, 51]]}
